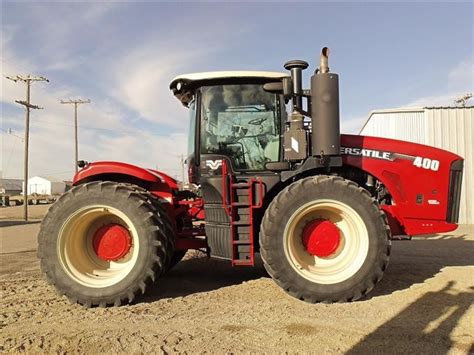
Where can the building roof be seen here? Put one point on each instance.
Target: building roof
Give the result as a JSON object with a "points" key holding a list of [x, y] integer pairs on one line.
{"points": [[446, 107], [410, 109], [11, 184], [47, 178]]}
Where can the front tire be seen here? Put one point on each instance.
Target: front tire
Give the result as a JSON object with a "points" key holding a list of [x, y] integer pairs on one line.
{"points": [[102, 243], [324, 239]]}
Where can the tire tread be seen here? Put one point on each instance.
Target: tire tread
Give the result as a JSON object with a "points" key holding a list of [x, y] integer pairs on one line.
{"points": [[154, 217], [270, 223]]}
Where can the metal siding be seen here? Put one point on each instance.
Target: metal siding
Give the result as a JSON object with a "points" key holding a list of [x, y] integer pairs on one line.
{"points": [[452, 129], [407, 126], [447, 128]]}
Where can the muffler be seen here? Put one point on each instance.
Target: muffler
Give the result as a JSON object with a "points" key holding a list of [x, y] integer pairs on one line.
{"points": [[325, 136]]}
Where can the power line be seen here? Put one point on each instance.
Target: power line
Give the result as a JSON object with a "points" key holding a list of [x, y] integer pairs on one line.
{"points": [[27, 80], [131, 132], [76, 143], [10, 156], [9, 132], [57, 172], [16, 65]]}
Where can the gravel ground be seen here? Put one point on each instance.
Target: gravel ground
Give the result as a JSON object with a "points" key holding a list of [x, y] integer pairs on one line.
{"points": [[423, 305]]}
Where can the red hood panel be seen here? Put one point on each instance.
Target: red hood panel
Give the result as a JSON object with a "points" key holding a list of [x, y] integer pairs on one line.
{"points": [[417, 176]]}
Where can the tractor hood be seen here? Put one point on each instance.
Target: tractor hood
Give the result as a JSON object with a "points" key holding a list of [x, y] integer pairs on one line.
{"points": [[424, 182]]}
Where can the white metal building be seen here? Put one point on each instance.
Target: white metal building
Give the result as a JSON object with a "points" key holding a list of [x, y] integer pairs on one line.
{"points": [[449, 128], [45, 186]]}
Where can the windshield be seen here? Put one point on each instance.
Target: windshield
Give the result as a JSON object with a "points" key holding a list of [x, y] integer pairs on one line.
{"points": [[241, 122]]}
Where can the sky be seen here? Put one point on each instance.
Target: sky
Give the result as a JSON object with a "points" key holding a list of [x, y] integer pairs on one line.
{"points": [[123, 55]]}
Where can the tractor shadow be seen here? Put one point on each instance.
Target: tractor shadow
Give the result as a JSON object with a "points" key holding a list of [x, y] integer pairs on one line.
{"points": [[411, 262], [417, 260], [19, 222], [198, 274], [424, 327]]}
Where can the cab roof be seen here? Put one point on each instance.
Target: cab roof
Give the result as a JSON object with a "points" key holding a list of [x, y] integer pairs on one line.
{"points": [[183, 86]]}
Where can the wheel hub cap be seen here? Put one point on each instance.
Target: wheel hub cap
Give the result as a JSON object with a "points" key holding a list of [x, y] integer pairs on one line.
{"points": [[112, 242], [321, 238]]}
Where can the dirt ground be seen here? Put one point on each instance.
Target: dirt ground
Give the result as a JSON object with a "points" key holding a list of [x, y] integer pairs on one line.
{"points": [[424, 304]]}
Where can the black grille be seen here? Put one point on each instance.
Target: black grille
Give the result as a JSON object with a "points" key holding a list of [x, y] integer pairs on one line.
{"points": [[454, 197]]}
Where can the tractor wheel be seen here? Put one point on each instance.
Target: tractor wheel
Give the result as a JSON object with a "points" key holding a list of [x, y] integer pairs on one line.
{"points": [[101, 243], [324, 239], [177, 255], [167, 225]]}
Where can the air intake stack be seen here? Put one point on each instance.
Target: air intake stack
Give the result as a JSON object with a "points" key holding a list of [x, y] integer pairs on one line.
{"points": [[325, 109], [296, 68]]}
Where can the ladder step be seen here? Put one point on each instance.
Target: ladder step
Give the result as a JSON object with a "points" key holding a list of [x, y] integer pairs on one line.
{"points": [[242, 262], [241, 242], [240, 204], [240, 223], [240, 185]]}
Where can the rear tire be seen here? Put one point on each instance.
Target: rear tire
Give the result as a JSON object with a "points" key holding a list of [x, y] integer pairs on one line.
{"points": [[352, 268], [67, 255]]}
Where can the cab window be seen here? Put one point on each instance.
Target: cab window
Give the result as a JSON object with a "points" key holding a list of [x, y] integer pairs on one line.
{"points": [[241, 122]]}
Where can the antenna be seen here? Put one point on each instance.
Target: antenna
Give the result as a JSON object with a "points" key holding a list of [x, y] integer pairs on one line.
{"points": [[463, 99]]}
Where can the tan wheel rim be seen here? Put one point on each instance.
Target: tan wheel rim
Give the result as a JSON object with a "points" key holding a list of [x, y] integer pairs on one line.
{"points": [[350, 254], [76, 252]]}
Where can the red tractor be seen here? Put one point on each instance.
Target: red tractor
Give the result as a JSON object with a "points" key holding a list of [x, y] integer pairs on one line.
{"points": [[319, 207]]}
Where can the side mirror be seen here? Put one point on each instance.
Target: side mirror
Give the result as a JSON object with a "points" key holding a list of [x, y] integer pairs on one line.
{"points": [[283, 87], [274, 88]]}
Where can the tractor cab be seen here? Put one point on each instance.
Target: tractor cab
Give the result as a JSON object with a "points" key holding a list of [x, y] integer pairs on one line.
{"points": [[233, 117], [243, 147]]}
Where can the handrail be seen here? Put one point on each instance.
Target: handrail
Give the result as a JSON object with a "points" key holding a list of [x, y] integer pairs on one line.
{"points": [[225, 187], [259, 183]]}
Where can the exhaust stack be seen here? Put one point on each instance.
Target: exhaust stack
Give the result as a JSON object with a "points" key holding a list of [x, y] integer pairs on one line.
{"points": [[325, 109], [323, 61]]}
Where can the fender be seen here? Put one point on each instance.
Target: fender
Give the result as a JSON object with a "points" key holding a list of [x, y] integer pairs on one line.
{"points": [[157, 182], [418, 178]]}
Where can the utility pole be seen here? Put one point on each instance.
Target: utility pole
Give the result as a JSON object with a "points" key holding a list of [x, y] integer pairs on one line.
{"points": [[26, 80], [76, 149]]}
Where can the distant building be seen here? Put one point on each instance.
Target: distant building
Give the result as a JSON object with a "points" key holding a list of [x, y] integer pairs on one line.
{"points": [[449, 128], [11, 187], [45, 186]]}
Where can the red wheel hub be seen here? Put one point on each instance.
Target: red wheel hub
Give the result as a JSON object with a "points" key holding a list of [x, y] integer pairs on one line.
{"points": [[112, 242], [321, 238]]}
